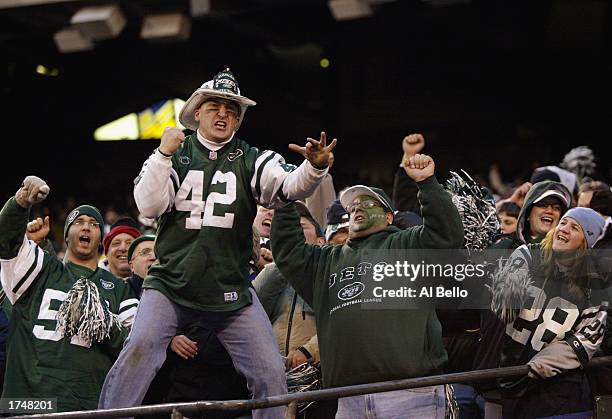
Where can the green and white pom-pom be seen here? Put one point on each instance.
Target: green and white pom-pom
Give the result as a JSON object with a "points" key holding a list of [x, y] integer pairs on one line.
{"points": [[305, 377], [477, 210], [509, 291], [452, 407], [83, 313]]}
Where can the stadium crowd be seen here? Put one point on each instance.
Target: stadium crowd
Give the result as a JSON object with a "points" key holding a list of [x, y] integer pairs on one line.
{"points": [[234, 275]]}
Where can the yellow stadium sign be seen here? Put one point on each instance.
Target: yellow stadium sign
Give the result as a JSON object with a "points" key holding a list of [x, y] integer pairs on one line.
{"points": [[145, 125]]}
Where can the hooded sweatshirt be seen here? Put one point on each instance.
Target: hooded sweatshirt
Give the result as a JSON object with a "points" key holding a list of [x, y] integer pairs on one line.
{"points": [[523, 232], [360, 345]]}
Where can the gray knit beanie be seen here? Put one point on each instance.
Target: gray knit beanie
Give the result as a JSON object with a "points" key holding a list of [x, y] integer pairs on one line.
{"points": [[592, 223]]}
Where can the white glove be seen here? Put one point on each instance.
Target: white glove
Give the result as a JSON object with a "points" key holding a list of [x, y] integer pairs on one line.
{"points": [[33, 190]]}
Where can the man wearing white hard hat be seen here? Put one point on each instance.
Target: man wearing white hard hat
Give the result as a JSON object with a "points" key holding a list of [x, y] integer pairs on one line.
{"points": [[205, 189]]}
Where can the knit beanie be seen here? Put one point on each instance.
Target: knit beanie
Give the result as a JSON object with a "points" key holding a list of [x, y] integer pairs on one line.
{"points": [[84, 210], [115, 231], [145, 237], [592, 223]]}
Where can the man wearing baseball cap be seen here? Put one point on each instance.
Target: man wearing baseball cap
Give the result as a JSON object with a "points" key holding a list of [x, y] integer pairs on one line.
{"points": [[205, 189], [336, 231], [360, 346]]}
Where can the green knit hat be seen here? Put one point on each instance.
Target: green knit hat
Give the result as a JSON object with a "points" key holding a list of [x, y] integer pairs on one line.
{"points": [[137, 240], [84, 210]]}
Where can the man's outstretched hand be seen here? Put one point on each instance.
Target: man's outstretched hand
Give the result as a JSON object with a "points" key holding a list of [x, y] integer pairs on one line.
{"points": [[32, 191], [318, 153]]}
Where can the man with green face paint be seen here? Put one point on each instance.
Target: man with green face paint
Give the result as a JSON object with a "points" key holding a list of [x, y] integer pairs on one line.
{"points": [[372, 211], [360, 346]]}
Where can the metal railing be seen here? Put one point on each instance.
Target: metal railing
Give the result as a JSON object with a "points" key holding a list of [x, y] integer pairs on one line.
{"points": [[177, 410]]}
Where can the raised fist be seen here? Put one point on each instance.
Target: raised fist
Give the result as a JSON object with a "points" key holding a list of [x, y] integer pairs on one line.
{"points": [[413, 143], [171, 140], [33, 190], [38, 229], [420, 167], [265, 257]]}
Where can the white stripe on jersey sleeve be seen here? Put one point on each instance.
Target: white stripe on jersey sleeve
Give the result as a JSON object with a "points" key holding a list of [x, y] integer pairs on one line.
{"points": [[302, 182], [18, 274], [278, 185], [127, 317], [258, 162], [126, 303], [174, 188], [153, 190]]}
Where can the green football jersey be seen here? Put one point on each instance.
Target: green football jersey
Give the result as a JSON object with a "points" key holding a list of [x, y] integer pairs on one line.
{"points": [[41, 362], [205, 236]]}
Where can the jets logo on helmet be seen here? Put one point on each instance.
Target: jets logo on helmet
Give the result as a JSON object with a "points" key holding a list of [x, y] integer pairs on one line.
{"points": [[225, 82]]}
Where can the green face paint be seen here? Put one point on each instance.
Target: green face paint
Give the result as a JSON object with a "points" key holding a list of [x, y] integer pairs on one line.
{"points": [[368, 217]]}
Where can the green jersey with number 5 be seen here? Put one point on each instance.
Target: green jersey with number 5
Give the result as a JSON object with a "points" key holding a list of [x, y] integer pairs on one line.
{"points": [[42, 362], [206, 201]]}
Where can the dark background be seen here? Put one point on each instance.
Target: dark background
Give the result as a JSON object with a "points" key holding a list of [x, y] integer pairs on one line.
{"points": [[516, 83]]}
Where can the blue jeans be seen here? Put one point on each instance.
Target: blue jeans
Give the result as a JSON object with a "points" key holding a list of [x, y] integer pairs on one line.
{"points": [[471, 404], [246, 334], [417, 403]]}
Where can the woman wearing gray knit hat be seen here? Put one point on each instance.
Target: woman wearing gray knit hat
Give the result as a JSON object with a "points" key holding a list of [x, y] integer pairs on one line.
{"points": [[591, 225], [553, 300]]}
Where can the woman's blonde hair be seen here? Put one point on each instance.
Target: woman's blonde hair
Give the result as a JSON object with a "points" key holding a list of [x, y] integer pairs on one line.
{"points": [[578, 273]]}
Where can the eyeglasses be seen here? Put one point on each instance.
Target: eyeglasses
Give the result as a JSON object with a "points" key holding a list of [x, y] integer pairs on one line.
{"points": [[145, 252], [366, 204], [92, 224]]}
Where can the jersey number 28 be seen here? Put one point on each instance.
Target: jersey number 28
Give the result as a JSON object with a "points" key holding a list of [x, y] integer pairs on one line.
{"points": [[549, 327]]}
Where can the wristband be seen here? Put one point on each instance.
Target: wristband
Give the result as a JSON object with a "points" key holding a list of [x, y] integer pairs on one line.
{"points": [[163, 154], [305, 352], [317, 167]]}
